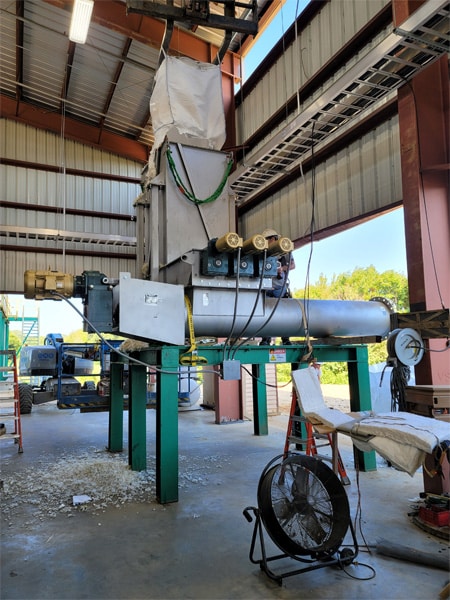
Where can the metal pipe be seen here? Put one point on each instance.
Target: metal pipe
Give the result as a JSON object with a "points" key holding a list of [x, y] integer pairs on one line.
{"points": [[288, 317]]}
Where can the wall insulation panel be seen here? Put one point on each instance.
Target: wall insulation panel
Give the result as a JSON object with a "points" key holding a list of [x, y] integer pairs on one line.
{"points": [[20, 262], [364, 178], [273, 406], [54, 218], [333, 27]]}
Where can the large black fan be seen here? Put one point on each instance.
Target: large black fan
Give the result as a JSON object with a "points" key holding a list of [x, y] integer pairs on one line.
{"points": [[304, 509], [303, 506]]}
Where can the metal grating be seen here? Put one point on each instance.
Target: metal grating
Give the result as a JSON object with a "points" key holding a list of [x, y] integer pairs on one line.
{"points": [[32, 233], [423, 38]]}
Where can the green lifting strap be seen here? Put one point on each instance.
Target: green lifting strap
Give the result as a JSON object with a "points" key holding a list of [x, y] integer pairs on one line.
{"points": [[189, 195]]}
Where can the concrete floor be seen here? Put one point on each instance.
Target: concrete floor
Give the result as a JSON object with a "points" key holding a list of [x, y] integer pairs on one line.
{"points": [[196, 548]]}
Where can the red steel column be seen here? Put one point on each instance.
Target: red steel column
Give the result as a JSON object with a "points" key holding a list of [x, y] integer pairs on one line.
{"points": [[423, 110], [424, 122]]}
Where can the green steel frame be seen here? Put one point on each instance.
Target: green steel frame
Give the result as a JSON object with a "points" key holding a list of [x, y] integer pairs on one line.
{"points": [[167, 360]]}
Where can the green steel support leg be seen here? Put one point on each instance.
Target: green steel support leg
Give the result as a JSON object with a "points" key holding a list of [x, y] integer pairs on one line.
{"points": [[358, 375], [137, 414], [115, 431], [260, 424], [299, 428], [167, 427]]}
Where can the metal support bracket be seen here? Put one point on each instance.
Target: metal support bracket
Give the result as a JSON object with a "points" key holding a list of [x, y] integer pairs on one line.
{"points": [[429, 323]]}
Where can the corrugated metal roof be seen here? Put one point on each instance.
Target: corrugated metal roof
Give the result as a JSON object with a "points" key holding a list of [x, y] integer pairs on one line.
{"points": [[105, 83], [44, 54]]}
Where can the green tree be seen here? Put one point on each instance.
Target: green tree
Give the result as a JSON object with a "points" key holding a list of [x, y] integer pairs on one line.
{"points": [[359, 284], [15, 341]]}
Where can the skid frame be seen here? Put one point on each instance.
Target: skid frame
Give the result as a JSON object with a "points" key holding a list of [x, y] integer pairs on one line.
{"points": [[167, 360]]}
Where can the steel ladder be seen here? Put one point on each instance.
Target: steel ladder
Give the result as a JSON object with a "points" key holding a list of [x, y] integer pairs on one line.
{"points": [[304, 435]]}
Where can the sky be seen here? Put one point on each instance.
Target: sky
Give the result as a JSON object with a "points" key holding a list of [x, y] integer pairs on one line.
{"points": [[290, 9], [379, 243]]}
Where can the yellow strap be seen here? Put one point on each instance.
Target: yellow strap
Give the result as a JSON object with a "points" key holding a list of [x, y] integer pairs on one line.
{"points": [[193, 359]]}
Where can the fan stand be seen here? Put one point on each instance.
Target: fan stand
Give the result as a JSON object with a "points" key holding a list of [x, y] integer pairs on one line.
{"points": [[341, 558]]}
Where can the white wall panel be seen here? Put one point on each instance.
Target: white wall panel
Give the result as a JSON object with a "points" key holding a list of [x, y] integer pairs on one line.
{"points": [[363, 178], [334, 26], [14, 264], [26, 143], [62, 191]]}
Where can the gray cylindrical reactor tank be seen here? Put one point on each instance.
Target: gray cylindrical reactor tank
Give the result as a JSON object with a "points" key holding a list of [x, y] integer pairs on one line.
{"points": [[213, 315]]}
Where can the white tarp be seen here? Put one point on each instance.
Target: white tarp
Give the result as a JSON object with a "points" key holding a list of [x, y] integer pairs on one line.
{"points": [[187, 98], [404, 439]]}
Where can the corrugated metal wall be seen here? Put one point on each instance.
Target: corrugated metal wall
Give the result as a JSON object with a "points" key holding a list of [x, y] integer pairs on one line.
{"points": [[44, 197], [273, 406], [337, 22], [363, 178]]}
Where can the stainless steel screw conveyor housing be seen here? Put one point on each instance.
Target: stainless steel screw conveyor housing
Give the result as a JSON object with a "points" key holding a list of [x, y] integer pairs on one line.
{"points": [[155, 311]]}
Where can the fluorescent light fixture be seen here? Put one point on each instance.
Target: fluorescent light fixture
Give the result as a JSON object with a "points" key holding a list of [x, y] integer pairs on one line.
{"points": [[81, 18]]}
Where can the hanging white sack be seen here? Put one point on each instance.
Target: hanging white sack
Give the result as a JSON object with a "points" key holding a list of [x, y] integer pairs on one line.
{"points": [[187, 97]]}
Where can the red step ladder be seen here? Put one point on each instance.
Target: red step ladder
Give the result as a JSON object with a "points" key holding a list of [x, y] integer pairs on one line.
{"points": [[308, 442]]}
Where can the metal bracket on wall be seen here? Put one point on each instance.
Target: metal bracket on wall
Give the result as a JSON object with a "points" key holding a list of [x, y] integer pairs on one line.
{"points": [[429, 323]]}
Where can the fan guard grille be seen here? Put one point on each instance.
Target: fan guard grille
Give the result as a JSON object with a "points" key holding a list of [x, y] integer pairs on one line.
{"points": [[303, 505]]}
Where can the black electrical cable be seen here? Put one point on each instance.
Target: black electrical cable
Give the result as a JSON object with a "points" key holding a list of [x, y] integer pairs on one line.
{"points": [[356, 563], [274, 308], [312, 225], [152, 368], [236, 346], [358, 514], [400, 376], [269, 317], [272, 385], [419, 347], [236, 298]]}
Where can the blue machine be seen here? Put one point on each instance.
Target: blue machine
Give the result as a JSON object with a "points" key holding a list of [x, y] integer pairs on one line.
{"points": [[58, 364]]}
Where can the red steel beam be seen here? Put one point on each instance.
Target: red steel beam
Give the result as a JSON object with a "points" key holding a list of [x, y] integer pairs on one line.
{"points": [[74, 130]]}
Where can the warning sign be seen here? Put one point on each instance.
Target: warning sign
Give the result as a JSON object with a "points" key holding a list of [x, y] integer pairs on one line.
{"points": [[277, 355]]}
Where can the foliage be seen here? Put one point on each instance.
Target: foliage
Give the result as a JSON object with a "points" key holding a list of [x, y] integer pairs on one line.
{"points": [[14, 341], [81, 337], [360, 284]]}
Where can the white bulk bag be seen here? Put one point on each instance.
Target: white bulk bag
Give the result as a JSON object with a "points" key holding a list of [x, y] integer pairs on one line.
{"points": [[187, 96]]}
